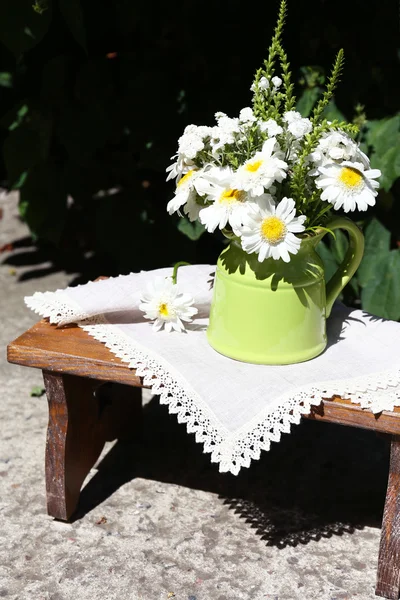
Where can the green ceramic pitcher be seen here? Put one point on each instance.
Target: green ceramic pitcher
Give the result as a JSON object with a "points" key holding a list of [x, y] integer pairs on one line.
{"points": [[275, 312]]}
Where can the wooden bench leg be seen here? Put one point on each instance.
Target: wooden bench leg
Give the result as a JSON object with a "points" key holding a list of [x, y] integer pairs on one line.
{"points": [[80, 422], [388, 580]]}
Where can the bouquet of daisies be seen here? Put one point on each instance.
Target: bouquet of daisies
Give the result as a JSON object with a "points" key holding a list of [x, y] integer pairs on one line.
{"points": [[268, 175]]}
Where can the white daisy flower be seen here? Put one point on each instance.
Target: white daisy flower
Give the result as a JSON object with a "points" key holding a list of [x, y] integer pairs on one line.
{"points": [[271, 127], [262, 169], [269, 230], [163, 303], [192, 208], [185, 191], [179, 167], [348, 185], [317, 158], [230, 204]]}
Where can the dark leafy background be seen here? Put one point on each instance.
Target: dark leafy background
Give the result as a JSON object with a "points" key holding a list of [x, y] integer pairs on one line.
{"points": [[94, 94]]}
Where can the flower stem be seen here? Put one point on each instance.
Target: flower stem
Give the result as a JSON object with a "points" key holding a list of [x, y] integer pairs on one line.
{"points": [[175, 271]]}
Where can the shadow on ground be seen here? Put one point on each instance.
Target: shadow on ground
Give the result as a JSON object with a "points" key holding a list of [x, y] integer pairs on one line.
{"points": [[319, 481], [42, 260]]}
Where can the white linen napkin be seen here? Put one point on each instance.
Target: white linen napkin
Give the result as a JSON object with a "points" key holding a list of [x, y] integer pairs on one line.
{"points": [[235, 409]]}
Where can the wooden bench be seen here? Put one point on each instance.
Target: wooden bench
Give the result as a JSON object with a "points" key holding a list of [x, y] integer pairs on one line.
{"points": [[82, 419]]}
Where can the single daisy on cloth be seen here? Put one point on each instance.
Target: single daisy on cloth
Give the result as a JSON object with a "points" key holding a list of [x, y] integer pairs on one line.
{"points": [[262, 169], [230, 205], [166, 305], [348, 185], [269, 230]]}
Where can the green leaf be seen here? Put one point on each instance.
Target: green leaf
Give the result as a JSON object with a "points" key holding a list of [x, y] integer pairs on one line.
{"points": [[389, 164], [192, 230], [19, 118], [307, 100], [378, 273], [6, 79], [377, 245], [72, 14], [381, 295], [383, 137], [19, 182], [328, 258], [383, 134], [21, 26], [339, 245]]}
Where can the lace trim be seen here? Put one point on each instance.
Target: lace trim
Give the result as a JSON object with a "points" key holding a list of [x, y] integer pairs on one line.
{"points": [[56, 306], [377, 392], [232, 452]]}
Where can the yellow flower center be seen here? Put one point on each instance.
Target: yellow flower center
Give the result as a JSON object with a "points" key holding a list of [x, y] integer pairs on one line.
{"points": [[228, 196], [186, 177], [253, 166], [350, 177], [273, 230], [163, 309]]}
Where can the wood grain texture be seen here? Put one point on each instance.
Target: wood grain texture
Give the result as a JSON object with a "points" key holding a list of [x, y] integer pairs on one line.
{"points": [[344, 412], [80, 422], [69, 350], [388, 576], [74, 440]]}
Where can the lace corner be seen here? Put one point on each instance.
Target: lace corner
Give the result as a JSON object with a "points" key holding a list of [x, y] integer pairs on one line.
{"points": [[55, 306], [231, 453]]}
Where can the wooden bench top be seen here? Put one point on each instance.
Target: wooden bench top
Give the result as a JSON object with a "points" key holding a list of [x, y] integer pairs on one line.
{"points": [[73, 351]]}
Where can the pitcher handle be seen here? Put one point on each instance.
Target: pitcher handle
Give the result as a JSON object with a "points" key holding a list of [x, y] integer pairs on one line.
{"points": [[350, 262]]}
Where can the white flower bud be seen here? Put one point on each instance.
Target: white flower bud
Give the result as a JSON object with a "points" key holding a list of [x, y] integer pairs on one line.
{"points": [[300, 127], [277, 82], [246, 115], [271, 127]]}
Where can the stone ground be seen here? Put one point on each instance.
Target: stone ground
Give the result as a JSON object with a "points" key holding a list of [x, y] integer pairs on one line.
{"points": [[157, 520]]}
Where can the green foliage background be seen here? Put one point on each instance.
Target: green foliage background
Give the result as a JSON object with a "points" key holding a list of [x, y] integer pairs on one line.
{"points": [[94, 94]]}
